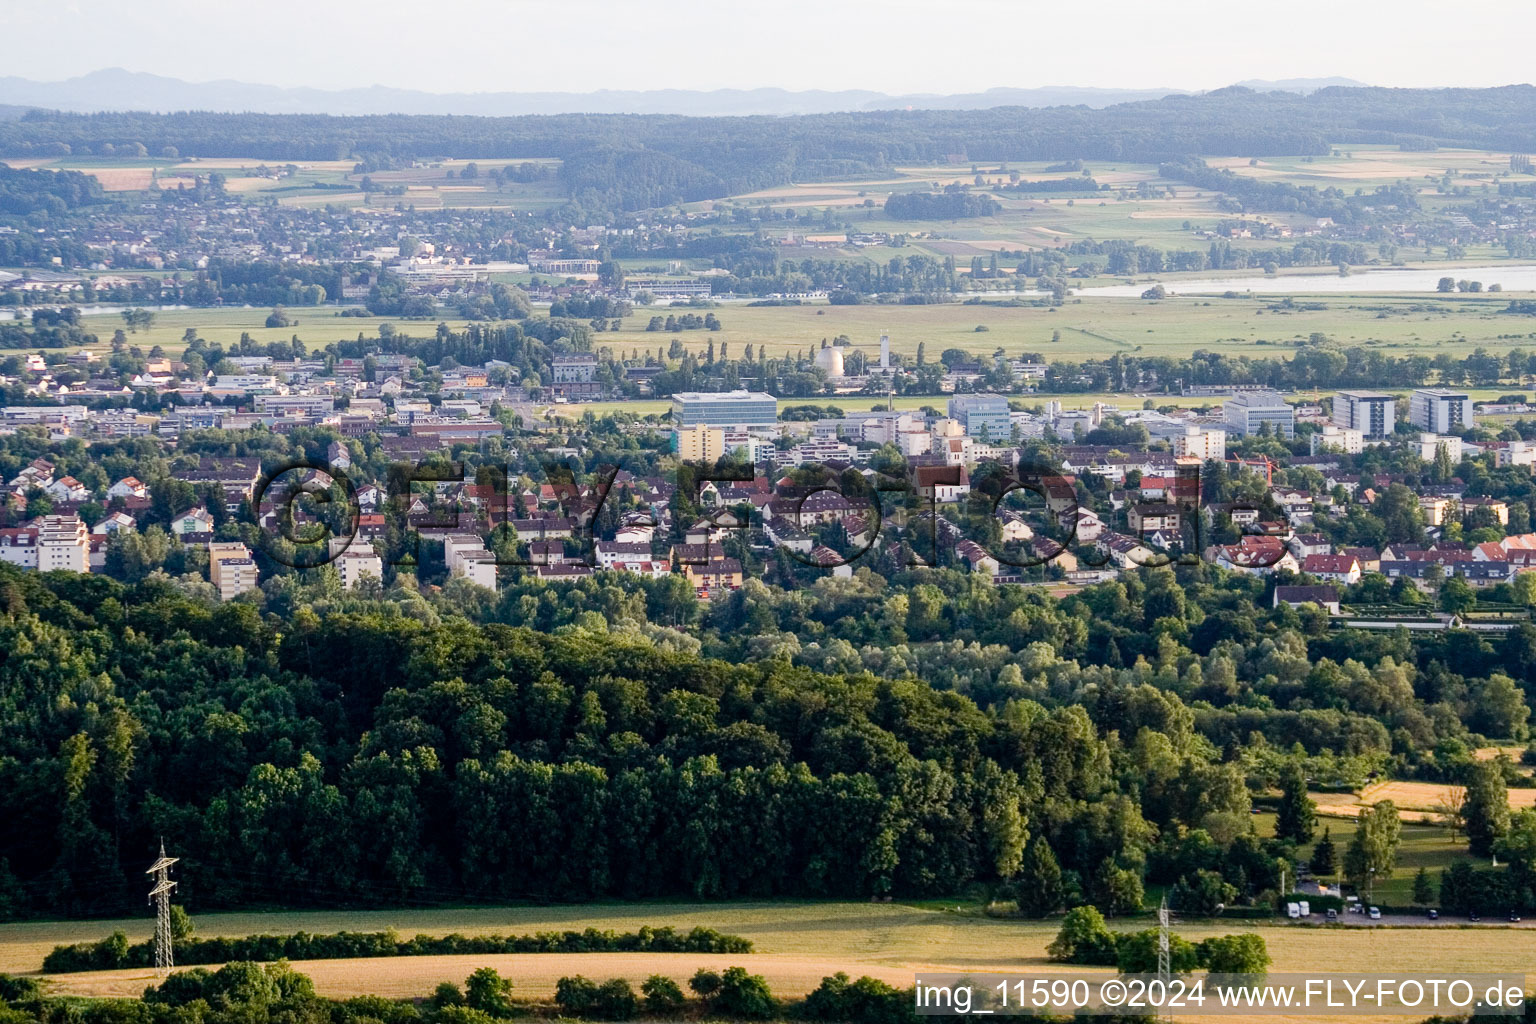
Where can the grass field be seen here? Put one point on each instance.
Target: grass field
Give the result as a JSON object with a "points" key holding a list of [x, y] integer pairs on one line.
{"points": [[316, 326], [1092, 327], [1102, 327]]}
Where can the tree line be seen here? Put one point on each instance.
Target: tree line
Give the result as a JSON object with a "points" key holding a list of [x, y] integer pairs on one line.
{"points": [[114, 952], [621, 162]]}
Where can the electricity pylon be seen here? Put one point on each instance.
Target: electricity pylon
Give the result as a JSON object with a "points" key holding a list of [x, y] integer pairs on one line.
{"points": [[1164, 954], [160, 895]]}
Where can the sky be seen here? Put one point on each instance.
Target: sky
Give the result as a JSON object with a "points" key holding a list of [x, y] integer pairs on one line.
{"points": [[892, 46]]}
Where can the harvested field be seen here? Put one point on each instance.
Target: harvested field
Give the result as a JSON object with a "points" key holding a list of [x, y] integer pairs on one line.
{"points": [[798, 945], [1416, 801]]}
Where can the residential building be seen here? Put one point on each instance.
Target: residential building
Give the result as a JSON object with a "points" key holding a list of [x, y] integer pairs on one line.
{"points": [[1334, 438], [1440, 410], [576, 376], [231, 569], [128, 487], [1324, 597], [699, 443], [465, 555], [1429, 445], [18, 547], [355, 559], [1372, 413], [1342, 569], [1515, 453], [717, 576], [1248, 412], [197, 520], [63, 543], [1203, 443]]}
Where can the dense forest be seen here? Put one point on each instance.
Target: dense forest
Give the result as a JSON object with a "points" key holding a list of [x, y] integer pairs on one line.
{"points": [[858, 738], [950, 205], [624, 161], [25, 192]]}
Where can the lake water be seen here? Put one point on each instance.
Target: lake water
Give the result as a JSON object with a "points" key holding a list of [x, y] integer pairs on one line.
{"points": [[1511, 277], [25, 313]]}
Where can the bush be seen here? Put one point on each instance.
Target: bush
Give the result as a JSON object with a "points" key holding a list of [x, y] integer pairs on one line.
{"points": [[576, 995], [463, 1015], [1235, 954], [744, 995], [616, 1000], [489, 992], [447, 994], [866, 1001], [612, 1000], [705, 983], [1137, 953], [1084, 938], [662, 994], [16, 990]]}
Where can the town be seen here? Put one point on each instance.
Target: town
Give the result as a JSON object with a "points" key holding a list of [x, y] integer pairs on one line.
{"points": [[771, 484], [687, 550]]}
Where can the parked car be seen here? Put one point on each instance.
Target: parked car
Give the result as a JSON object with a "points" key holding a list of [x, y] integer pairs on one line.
{"points": [[1333, 915], [1375, 913], [1432, 914]]}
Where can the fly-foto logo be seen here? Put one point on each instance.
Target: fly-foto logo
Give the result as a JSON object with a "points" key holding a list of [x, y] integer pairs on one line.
{"points": [[309, 513]]}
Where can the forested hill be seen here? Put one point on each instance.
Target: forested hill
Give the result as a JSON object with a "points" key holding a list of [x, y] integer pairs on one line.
{"points": [[362, 757], [669, 158]]}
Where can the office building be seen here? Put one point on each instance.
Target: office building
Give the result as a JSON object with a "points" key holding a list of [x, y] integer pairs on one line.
{"points": [[983, 415], [1373, 414], [1249, 412], [751, 410], [1440, 410]]}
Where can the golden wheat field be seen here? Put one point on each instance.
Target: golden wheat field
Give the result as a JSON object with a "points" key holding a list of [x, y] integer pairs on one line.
{"points": [[797, 945], [1416, 801]]}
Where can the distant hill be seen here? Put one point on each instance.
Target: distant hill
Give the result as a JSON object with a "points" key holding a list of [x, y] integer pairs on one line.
{"points": [[116, 89]]}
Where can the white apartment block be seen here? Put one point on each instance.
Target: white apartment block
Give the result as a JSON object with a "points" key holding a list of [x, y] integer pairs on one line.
{"points": [[63, 543], [1373, 414], [355, 559], [466, 555], [1334, 438], [18, 547], [1440, 410], [1429, 446], [1203, 443], [1515, 453]]}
